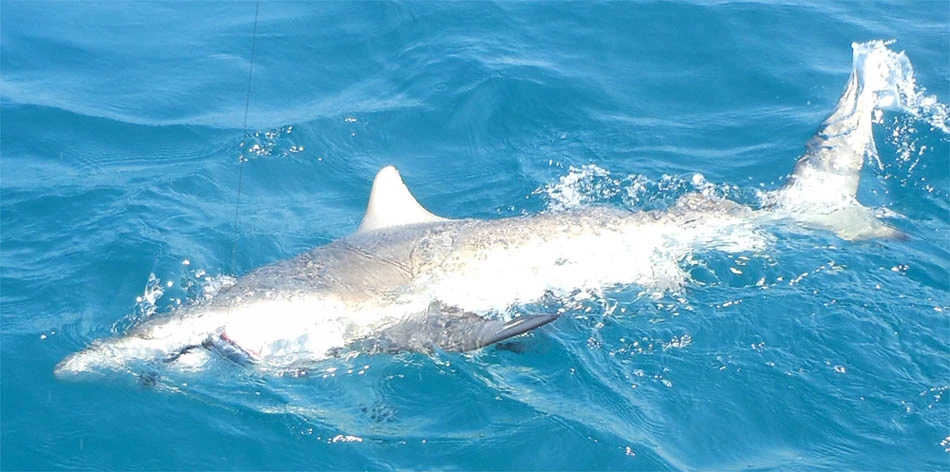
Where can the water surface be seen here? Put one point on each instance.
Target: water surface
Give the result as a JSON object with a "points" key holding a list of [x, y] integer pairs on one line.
{"points": [[122, 125]]}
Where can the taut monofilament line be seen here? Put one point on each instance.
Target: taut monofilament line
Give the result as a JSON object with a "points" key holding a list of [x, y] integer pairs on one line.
{"points": [[242, 159]]}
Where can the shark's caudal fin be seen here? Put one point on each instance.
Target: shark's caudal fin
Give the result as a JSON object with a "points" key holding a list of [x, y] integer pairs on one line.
{"points": [[821, 190], [391, 204]]}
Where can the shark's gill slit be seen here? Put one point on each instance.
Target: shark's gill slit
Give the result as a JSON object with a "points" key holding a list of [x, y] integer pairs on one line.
{"points": [[408, 279]]}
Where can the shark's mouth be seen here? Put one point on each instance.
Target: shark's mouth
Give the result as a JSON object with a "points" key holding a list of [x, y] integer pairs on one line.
{"points": [[220, 343]]}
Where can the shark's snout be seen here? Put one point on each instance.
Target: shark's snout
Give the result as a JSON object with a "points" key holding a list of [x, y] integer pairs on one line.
{"points": [[75, 364]]}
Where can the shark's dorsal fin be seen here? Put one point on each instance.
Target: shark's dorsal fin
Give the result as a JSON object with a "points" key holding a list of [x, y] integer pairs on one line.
{"points": [[391, 204]]}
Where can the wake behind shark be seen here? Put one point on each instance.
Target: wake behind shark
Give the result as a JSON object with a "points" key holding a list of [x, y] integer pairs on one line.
{"points": [[410, 280]]}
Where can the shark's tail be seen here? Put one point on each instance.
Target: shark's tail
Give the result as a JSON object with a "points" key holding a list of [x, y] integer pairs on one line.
{"points": [[821, 190]]}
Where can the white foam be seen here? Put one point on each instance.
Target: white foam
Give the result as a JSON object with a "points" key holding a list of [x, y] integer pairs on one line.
{"points": [[581, 186]]}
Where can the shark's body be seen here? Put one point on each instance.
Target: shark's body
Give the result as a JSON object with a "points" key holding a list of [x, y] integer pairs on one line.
{"points": [[408, 279], [409, 286]]}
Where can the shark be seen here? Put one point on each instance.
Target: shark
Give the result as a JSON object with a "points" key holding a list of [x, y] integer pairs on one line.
{"points": [[410, 280]]}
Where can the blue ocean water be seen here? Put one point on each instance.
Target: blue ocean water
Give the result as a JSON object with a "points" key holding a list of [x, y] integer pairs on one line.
{"points": [[121, 130]]}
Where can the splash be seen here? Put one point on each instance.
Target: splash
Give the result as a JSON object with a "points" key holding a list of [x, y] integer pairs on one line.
{"points": [[891, 76], [581, 186], [891, 85], [591, 184], [276, 142], [194, 285]]}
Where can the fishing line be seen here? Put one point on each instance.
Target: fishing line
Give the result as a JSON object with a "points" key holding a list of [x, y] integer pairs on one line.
{"points": [[243, 158]]}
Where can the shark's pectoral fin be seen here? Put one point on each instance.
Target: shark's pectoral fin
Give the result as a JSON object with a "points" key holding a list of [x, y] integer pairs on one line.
{"points": [[492, 332], [458, 330], [453, 329]]}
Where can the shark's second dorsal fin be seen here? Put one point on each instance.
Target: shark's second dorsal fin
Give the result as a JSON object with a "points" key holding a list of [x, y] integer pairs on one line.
{"points": [[391, 204]]}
